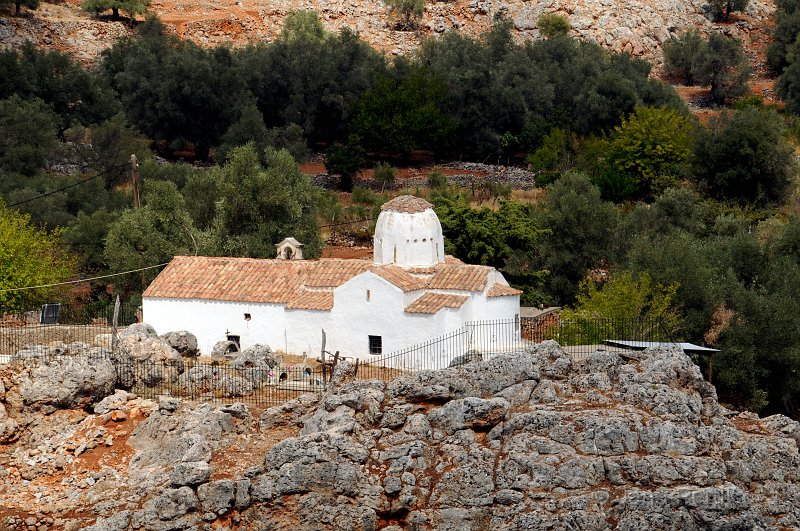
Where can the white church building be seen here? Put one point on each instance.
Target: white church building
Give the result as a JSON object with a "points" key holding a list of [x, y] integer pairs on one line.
{"points": [[408, 293]]}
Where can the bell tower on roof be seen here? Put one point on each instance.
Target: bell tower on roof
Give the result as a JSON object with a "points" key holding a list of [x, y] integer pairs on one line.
{"points": [[408, 234]]}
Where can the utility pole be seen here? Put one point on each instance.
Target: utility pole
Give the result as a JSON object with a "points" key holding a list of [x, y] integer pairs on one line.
{"points": [[135, 179]]}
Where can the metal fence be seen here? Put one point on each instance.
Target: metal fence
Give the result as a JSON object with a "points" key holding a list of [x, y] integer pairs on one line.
{"points": [[267, 382], [481, 340], [261, 386]]}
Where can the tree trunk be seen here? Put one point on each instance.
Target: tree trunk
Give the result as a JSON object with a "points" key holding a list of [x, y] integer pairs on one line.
{"points": [[115, 13], [17, 4]]}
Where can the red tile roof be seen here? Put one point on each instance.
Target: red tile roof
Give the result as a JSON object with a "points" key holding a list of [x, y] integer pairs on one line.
{"points": [[501, 290], [312, 300], [460, 276], [399, 277], [433, 302], [286, 281], [249, 279]]}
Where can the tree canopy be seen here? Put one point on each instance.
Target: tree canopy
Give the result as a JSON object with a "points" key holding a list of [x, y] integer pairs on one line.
{"points": [[29, 257]]}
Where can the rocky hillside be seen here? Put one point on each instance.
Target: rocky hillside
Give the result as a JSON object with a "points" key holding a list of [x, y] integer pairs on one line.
{"points": [[639, 26], [533, 441]]}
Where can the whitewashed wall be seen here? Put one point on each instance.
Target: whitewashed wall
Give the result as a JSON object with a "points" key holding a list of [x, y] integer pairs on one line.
{"points": [[355, 318], [408, 239], [209, 321], [304, 331]]}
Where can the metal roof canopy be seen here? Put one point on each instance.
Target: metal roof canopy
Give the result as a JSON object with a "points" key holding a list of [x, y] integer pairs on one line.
{"points": [[641, 345]]}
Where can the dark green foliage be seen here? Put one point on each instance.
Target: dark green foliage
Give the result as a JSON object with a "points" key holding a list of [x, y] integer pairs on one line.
{"points": [[173, 89], [131, 7], [722, 64], [152, 234], [383, 174], [555, 156], [437, 180], [106, 148], [292, 139], [722, 9], [581, 227], [787, 28], [507, 238], [248, 221], [744, 157], [27, 135], [680, 55], [249, 127], [75, 95], [718, 61], [345, 160], [552, 25], [309, 78], [404, 114]]}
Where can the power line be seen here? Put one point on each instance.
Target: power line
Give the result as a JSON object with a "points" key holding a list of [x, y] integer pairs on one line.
{"points": [[346, 223], [73, 185], [83, 279]]}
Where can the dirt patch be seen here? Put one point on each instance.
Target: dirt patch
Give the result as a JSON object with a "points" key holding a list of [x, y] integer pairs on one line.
{"points": [[232, 461]]}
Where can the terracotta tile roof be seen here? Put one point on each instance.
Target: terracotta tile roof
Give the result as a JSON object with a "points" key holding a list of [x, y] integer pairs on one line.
{"points": [[460, 276], [399, 277], [433, 302], [285, 281], [406, 203], [312, 300], [249, 279], [501, 290], [331, 272]]}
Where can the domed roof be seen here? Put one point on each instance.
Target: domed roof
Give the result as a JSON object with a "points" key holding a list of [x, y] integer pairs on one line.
{"points": [[408, 234], [408, 204]]}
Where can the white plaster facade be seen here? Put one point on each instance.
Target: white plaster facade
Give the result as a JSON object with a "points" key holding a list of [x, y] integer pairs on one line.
{"points": [[407, 294]]}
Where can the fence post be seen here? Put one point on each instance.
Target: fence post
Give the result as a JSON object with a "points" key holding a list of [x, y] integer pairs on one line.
{"points": [[114, 321]]}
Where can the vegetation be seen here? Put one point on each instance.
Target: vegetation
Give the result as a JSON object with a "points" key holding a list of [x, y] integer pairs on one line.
{"points": [[30, 4], [641, 210], [132, 7], [29, 257], [552, 25], [718, 61], [722, 9], [406, 13]]}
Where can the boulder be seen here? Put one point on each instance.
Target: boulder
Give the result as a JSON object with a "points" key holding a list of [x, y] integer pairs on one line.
{"points": [[471, 356], [138, 331], [190, 473], [217, 496], [182, 341], [66, 381], [223, 348]]}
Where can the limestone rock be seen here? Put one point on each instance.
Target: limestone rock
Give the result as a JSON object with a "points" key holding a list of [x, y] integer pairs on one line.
{"points": [[190, 473], [66, 381], [182, 341]]}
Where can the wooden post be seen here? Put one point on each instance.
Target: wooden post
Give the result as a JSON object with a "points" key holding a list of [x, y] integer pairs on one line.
{"points": [[114, 322], [135, 179]]}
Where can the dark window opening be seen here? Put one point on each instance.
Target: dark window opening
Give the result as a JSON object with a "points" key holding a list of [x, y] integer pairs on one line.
{"points": [[235, 339], [368, 295], [247, 317], [375, 344]]}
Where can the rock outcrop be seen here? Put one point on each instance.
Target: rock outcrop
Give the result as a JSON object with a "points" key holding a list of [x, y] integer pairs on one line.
{"points": [[530, 441], [639, 27]]}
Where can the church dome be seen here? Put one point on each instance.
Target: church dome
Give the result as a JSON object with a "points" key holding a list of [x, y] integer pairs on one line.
{"points": [[408, 234]]}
